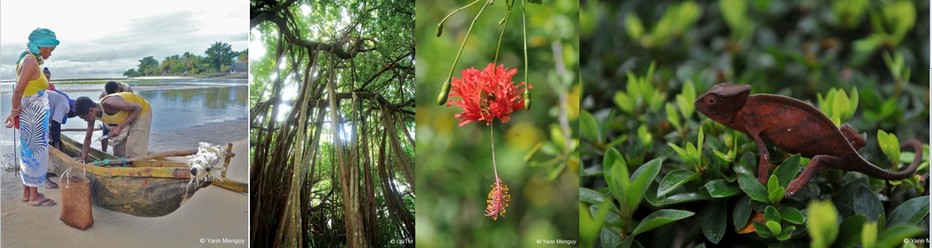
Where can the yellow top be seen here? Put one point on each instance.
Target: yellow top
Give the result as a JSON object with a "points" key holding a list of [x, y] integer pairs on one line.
{"points": [[35, 85], [122, 115]]}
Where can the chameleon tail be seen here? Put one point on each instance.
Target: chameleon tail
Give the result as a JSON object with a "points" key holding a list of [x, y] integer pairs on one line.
{"points": [[877, 172]]}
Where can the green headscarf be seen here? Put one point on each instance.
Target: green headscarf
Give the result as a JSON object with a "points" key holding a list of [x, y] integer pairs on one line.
{"points": [[41, 37]]}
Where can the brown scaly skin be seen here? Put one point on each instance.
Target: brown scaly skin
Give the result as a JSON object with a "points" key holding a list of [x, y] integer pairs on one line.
{"points": [[795, 127]]}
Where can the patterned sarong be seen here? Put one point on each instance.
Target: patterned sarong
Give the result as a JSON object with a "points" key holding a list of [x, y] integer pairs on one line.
{"points": [[33, 139]]}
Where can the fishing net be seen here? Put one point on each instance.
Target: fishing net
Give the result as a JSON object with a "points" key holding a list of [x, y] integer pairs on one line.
{"points": [[76, 201]]}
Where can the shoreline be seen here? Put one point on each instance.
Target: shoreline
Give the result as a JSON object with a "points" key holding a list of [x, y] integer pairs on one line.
{"points": [[95, 79], [212, 213]]}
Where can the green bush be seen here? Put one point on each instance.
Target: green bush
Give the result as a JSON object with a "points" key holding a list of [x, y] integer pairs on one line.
{"points": [[694, 181]]}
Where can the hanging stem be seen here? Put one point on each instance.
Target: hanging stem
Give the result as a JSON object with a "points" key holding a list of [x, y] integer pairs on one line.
{"points": [[504, 23], [494, 167], [445, 91], [527, 91], [440, 25]]}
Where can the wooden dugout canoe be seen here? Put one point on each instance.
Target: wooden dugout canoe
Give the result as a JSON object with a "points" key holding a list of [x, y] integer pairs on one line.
{"points": [[146, 188]]}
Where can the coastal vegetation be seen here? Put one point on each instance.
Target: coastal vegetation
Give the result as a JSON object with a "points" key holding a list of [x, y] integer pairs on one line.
{"points": [[219, 58]]}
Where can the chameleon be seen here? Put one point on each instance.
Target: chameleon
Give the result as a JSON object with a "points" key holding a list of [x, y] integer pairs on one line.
{"points": [[794, 126]]}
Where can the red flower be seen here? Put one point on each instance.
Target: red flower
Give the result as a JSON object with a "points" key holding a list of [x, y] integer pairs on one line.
{"points": [[498, 200], [487, 94]]}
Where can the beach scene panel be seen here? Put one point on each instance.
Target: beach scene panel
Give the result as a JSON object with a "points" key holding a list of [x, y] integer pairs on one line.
{"points": [[196, 102]]}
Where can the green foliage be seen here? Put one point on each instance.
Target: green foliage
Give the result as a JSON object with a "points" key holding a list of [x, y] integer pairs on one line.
{"points": [[890, 146], [823, 223], [838, 106], [846, 57], [220, 58]]}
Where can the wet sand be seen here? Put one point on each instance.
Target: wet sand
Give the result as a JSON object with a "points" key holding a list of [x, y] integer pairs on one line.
{"points": [[212, 217]]}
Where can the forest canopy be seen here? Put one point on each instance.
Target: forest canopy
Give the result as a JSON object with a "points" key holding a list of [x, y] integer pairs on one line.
{"points": [[332, 124]]}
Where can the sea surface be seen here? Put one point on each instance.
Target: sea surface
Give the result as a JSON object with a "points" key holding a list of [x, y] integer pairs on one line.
{"points": [[176, 104]]}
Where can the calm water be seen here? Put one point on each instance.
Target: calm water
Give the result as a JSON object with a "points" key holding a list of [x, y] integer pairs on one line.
{"points": [[176, 103]]}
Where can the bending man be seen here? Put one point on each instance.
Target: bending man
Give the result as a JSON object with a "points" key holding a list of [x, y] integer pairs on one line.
{"points": [[129, 117]]}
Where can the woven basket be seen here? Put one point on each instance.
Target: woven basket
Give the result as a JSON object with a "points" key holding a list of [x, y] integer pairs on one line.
{"points": [[76, 201]]}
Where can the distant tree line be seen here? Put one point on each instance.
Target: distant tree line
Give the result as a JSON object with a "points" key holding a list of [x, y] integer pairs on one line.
{"points": [[220, 58]]}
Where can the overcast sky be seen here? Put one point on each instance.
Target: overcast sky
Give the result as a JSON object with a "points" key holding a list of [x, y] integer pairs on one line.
{"points": [[104, 38]]}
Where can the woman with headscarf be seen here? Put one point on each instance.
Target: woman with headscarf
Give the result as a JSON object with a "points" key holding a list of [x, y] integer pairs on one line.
{"points": [[30, 114]]}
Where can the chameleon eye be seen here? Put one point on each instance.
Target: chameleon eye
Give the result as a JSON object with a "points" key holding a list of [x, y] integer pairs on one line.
{"points": [[710, 100]]}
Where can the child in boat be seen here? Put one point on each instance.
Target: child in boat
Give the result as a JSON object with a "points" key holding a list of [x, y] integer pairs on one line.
{"points": [[129, 117]]}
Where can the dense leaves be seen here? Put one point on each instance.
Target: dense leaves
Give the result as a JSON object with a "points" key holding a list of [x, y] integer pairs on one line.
{"points": [[332, 103], [853, 60]]}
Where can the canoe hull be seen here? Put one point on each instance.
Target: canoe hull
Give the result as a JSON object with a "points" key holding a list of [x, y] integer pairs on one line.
{"points": [[138, 191]]}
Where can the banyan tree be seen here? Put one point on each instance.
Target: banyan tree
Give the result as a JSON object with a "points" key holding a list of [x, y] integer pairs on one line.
{"points": [[332, 123]]}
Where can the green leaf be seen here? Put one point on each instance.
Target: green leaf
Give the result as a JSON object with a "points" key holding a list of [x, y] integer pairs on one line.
{"points": [[771, 214], [634, 26], [823, 223], [660, 218], [719, 188], [787, 170], [742, 212], [890, 146], [849, 233], [774, 227], [640, 180], [688, 96], [895, 235], [590, 196], [910, 212], [673, 116], [589, 128], [535, 1], [712, 221], [867, 204], [869, 234], [609, 237], [646, 137], [762, 230], [624, 102], [674, 180], [733, 11], [787, 233], [620, 185], [774, 191], [589, 225], [792, 215], [753, 188]]}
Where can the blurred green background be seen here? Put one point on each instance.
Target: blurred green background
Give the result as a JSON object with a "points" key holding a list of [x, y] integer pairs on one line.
{"points": [[534, 151], [797, 48]]}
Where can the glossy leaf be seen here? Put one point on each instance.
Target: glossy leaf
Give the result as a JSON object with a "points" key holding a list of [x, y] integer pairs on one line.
{"points": [[787, 170], [792, 215], [712, 221], [753, 188], [895, 235], [674, 180], [640, 180], [590, 196], [910, 212], [849, 233], [741, 213], [660, 218], [719, 188]]}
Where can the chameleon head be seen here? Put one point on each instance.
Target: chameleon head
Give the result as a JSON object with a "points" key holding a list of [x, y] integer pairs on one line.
{"points": [[722, 101]]}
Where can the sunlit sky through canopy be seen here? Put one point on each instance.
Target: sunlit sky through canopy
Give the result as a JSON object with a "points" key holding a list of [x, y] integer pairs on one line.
{"points": [[104, 38]]}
